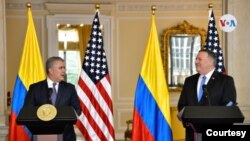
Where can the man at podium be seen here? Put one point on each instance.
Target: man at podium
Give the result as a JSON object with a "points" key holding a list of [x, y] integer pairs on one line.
{"points": [[207, 87], [54, 90]]}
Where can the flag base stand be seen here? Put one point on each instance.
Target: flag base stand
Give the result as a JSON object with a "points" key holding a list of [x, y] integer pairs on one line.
{"points": [[58, 137]]}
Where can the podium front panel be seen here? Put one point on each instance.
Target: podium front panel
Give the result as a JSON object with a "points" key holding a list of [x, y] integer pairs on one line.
{"points": [[65, 116], [212, 114]]}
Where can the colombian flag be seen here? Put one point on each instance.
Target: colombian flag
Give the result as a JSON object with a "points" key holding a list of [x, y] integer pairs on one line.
{"points": [[31, 70], [151, 118]]}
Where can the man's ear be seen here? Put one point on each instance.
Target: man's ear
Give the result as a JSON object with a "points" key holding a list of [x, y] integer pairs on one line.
{"points": [[50, 71]]}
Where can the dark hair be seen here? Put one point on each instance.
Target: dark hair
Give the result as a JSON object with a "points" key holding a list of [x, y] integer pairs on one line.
{"points": [[50, 62], [210, 54]]}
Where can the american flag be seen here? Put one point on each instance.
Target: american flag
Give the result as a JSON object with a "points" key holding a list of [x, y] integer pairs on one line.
{"points": [[213, 43], [94, 90]]}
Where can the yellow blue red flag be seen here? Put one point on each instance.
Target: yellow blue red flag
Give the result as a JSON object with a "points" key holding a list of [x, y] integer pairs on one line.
{"points": [[151, 118], [31, 70]]}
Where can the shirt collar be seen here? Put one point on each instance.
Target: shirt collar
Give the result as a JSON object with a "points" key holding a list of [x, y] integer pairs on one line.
{"points": [[50, 83], [208, 75]]}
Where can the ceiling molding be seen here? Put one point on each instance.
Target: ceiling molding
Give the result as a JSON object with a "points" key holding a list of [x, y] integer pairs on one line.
{"points": [[55, 8], [22, 6], [60, 7], [166, 7]]}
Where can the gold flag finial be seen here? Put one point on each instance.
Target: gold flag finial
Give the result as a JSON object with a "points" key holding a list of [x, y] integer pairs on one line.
{"points": [[210, 5], [153, 8], [28, 5], [97, 6]]}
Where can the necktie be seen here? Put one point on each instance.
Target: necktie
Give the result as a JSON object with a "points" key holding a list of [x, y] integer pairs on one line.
{"points": [[203, 80], [53, 95]]}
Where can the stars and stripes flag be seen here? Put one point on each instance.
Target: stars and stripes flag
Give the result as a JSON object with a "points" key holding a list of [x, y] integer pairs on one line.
{"points": [[94, 90], [213, 43]]}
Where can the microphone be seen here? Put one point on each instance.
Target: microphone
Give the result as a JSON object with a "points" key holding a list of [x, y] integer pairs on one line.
{"points": [[206, 94], [50, 90]]}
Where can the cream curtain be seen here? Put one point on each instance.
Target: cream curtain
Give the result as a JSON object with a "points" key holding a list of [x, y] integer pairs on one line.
{"points": [[84, 34]]}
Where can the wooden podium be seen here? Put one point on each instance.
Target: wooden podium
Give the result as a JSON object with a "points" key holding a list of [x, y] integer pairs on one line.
{"points": [[47, 130]]}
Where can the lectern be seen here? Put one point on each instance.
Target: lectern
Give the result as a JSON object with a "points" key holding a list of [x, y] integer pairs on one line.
{"points": [[28, 116], [201, 117], [212, 114]]}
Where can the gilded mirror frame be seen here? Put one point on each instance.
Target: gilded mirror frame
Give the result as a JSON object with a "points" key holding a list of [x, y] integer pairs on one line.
{"points": [[183, 28]]}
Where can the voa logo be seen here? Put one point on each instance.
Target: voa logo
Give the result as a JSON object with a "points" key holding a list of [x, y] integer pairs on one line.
{"points": [[228, 23]]}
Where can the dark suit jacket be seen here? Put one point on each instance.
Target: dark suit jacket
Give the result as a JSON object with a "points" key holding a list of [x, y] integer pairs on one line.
{"points": [[38, 95], [221, 90]]}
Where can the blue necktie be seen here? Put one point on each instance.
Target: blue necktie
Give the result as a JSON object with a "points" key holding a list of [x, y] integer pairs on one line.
{"points": [[203, 80], [53, 95]]}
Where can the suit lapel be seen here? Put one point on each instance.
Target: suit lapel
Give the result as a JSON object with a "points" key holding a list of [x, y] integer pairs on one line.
{"points": [[45, 90], [212, 81], [195, 82], [60, 92]]}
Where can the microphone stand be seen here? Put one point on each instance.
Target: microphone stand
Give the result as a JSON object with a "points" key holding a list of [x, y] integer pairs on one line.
{"points": [[205, 92], [49, 94]]}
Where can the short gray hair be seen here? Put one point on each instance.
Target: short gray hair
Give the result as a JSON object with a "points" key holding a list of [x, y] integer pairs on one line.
{"points": [[50, 62]]}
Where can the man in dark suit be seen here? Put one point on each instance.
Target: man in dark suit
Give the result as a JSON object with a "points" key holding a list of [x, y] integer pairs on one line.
{"points": [[40, 93], [220, 88]]}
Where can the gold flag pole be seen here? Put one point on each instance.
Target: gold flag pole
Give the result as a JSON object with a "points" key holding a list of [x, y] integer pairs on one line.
{"points": [[153, 8], [28, 5], [210, 5], [97, 6]]}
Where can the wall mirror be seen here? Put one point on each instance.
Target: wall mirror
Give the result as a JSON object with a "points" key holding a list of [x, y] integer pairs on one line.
{"points": [[181, 44]]}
